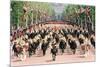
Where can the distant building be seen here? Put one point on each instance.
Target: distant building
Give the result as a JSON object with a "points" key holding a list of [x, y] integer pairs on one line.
{"points": [[58, 8]]}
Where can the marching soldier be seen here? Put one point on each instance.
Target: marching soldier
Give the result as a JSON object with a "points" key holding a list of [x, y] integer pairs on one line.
{"points": [[54, 51], [62, 45]]}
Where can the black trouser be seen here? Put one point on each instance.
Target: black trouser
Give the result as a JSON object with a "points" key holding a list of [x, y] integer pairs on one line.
{"points": [[53, 57], [74, 51], [30, 52], [62, 50], [16, 54], [44, 52], [34, 51]]}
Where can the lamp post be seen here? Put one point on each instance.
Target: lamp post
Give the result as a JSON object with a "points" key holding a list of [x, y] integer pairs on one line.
{"points": [[32, 16], [11, 27], [37, 14], [25, 16], [18, 20]]}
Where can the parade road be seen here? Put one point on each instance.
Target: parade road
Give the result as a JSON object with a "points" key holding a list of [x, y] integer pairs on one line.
{"points": [[47, 59]]}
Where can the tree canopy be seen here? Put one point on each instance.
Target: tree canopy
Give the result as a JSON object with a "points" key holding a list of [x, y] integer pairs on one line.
{"points": [[23, 12], [80, 14]]}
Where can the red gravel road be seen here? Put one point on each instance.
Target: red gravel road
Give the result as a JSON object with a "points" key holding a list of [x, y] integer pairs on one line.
{"points": [[47, 59]]}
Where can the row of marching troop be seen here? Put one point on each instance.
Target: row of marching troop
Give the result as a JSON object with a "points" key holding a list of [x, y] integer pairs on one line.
{"points": [[25, 42]]}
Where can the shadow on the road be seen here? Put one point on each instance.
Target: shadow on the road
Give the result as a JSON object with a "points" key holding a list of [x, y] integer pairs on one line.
{"points": [[49, 60], [39, 56], [17, 60], [81, 56]]}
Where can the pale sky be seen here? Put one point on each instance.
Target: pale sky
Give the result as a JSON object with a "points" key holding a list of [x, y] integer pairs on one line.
{"points": [[58, 7]]}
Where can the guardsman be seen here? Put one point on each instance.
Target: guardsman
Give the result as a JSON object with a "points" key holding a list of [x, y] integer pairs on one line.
{"points": [[54, 51]]}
